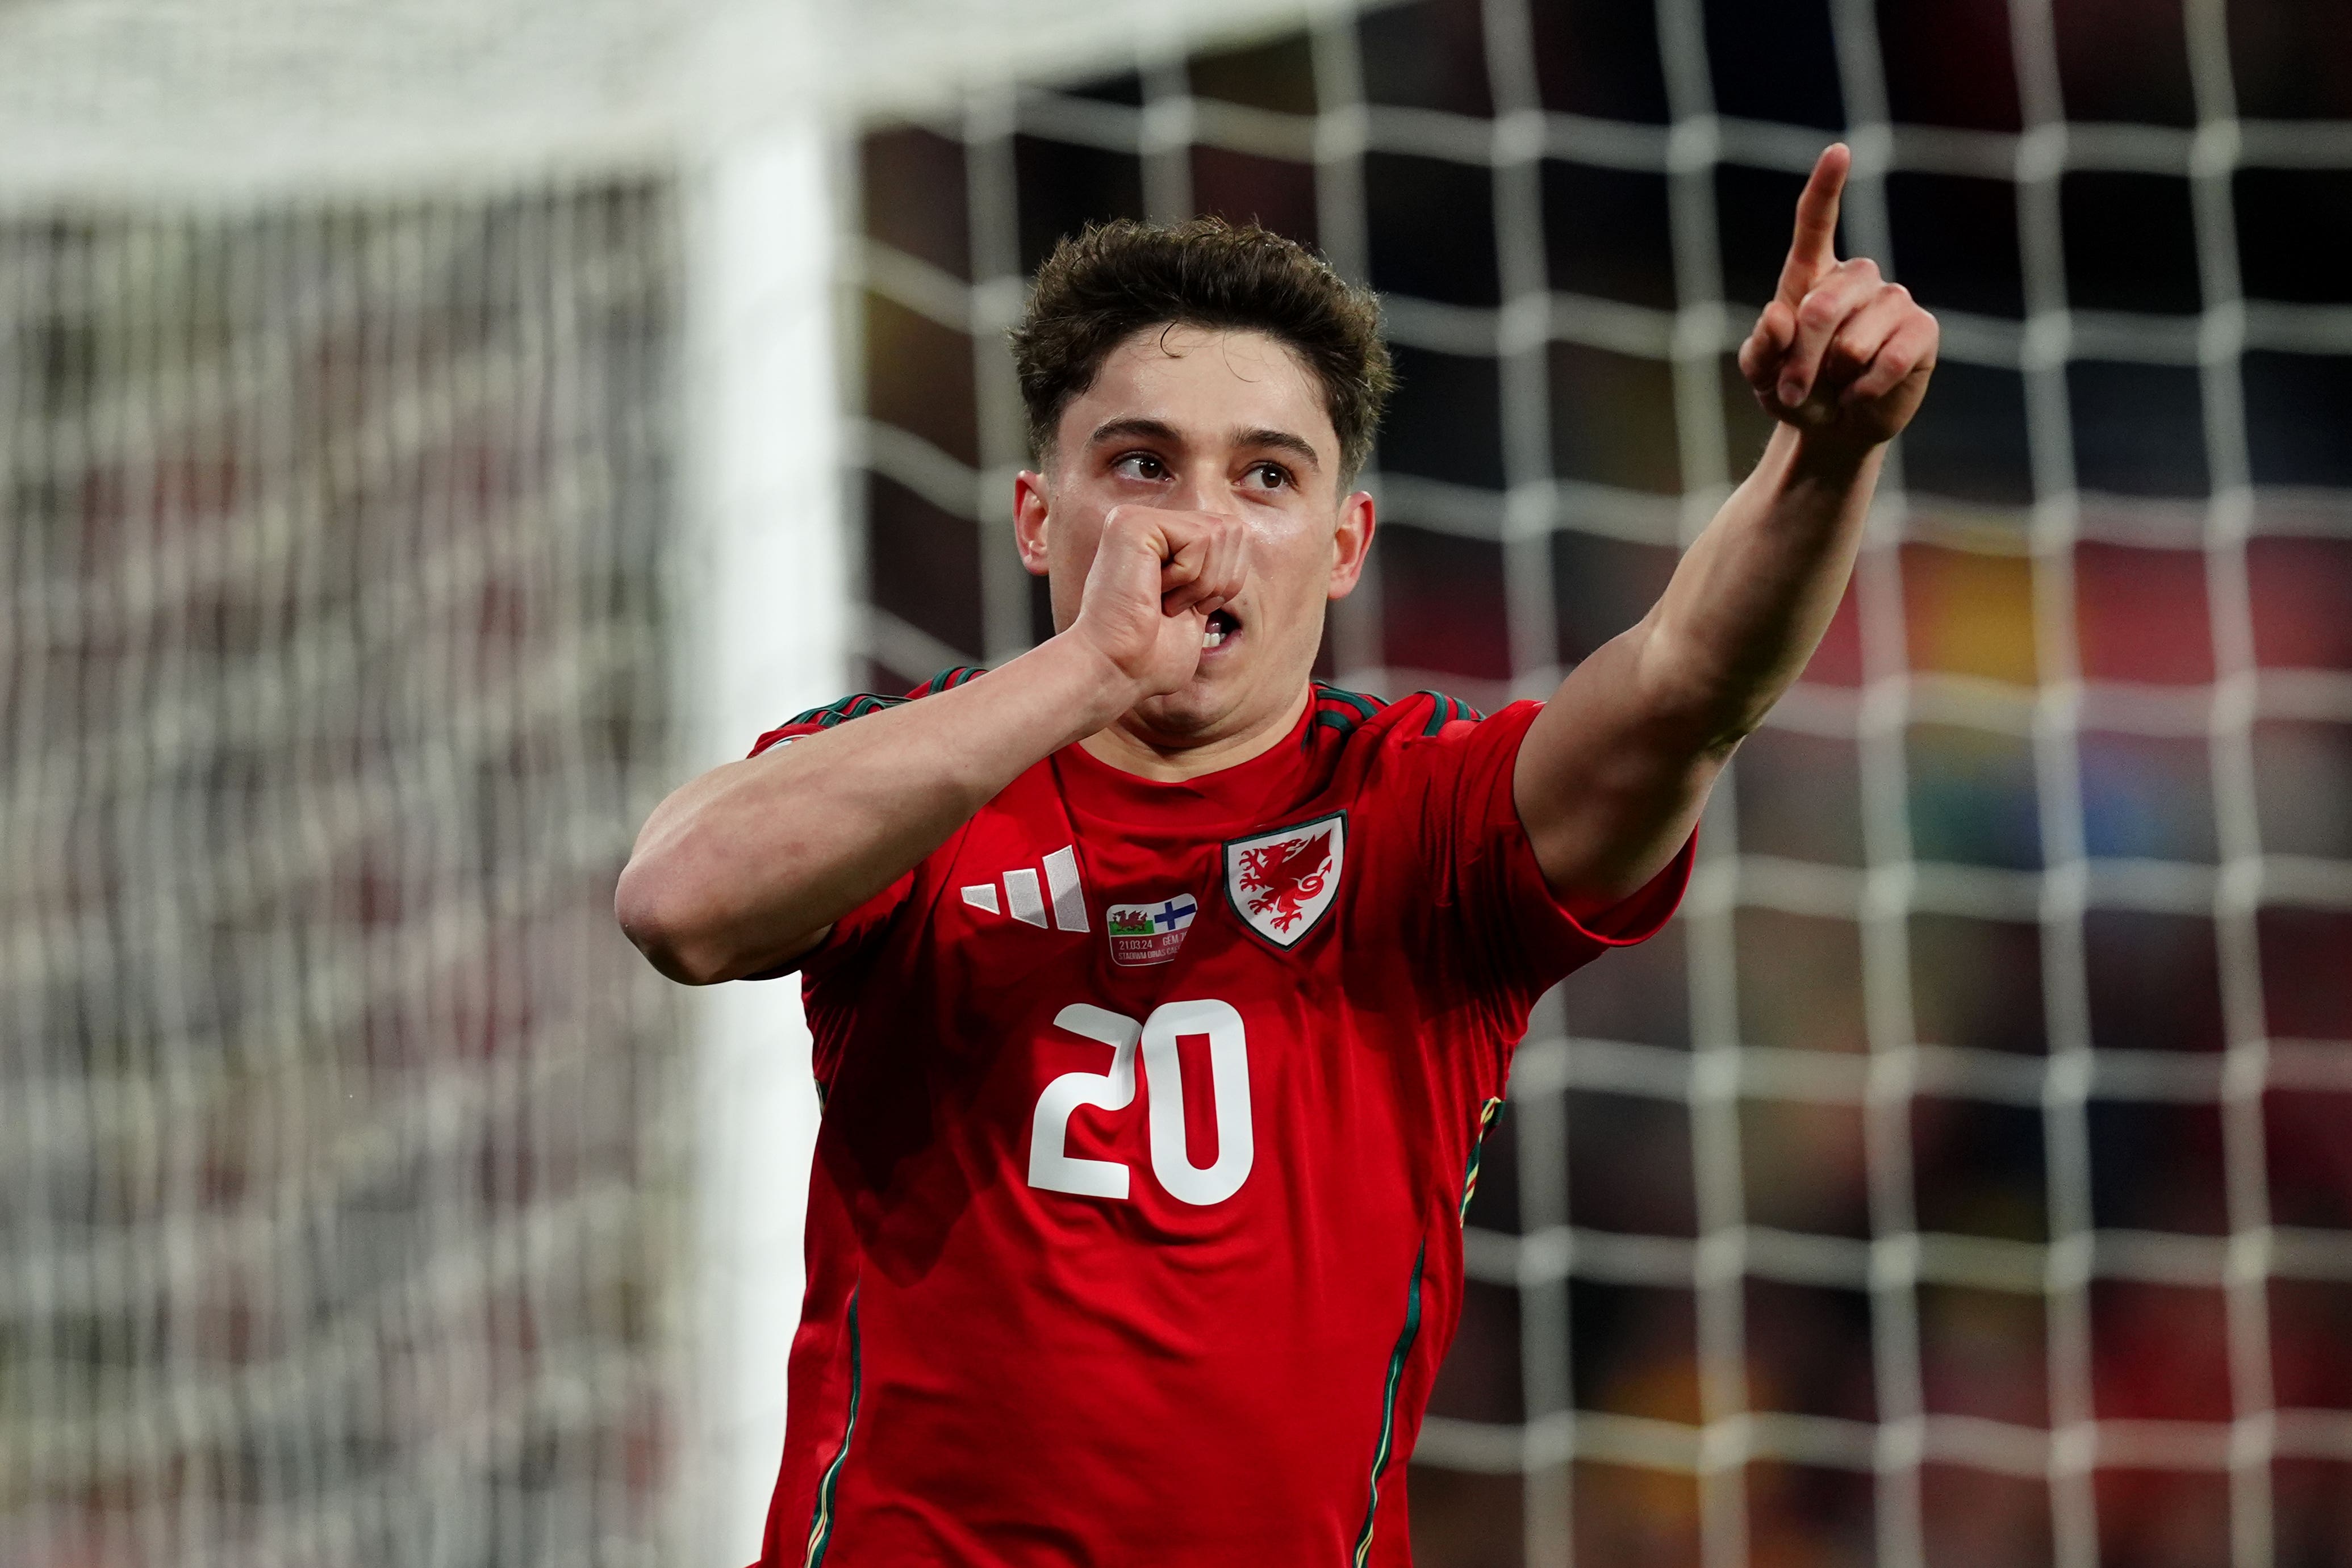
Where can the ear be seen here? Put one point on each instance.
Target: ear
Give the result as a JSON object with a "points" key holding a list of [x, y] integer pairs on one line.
{"points": [[1350, 544], [1030, 506]]}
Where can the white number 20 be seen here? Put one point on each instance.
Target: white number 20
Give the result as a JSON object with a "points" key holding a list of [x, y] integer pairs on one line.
{"points": [[1163, 1072]]}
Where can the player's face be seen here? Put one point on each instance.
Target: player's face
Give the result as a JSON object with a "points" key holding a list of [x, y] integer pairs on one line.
{"points": [[1210, 421]]}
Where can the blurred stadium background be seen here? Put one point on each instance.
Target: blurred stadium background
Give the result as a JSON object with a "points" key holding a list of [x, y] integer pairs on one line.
{"points": [[428, 433]]}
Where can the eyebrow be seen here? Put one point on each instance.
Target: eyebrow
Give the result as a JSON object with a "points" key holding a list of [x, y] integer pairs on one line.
{"points": [[1281, 441], [1150, 429], [1160, 429]]}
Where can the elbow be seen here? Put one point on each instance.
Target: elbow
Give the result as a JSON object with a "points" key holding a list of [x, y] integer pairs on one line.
{"points": [[657, 916]]}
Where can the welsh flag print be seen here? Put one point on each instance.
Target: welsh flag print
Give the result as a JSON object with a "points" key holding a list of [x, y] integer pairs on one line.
{"points": [[1150, 933]]}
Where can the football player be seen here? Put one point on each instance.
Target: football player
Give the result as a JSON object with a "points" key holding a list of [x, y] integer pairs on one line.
{"points": [[1160, 994]]}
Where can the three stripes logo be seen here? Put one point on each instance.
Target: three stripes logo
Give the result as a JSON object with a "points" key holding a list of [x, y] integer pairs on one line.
{"points": [[1026, 900]]}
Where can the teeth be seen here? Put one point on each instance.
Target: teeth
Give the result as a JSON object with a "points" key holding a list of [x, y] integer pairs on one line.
{"points": [[1210, 639]]}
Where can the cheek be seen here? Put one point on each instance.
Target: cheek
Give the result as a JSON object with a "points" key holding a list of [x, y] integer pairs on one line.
{"points": [[1294, 580], [1072, 533], [1295, 563]]}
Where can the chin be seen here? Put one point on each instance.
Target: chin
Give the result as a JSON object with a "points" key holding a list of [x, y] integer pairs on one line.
{"points": [[1225, 695], [1194, 710], [1221, 694]]}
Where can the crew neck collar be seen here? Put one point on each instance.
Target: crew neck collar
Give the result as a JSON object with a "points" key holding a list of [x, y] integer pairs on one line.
{"points": [[1240, 791]]}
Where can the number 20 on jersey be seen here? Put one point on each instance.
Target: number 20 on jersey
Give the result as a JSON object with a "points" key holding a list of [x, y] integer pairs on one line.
{"points": [[1054, 1168]]}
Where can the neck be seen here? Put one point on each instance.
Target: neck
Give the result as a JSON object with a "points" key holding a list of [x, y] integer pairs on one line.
{"points": [[1131, 748]]}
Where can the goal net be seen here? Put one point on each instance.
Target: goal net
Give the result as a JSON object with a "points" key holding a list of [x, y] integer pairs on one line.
{"points": [[337, 1166], [1961, 1178]]}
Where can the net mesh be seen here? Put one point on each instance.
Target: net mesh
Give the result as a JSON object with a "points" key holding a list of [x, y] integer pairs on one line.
{"points": [[338, 1162], [1961, 1177]]}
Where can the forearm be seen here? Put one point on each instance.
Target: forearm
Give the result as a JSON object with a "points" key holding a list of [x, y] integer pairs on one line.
{"points": [[744, 867], [1755, 592], [1614, 773]]}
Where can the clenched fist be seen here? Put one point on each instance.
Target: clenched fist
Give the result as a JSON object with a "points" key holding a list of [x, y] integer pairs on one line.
{"points": [[1840, 353], [1159, 580]]}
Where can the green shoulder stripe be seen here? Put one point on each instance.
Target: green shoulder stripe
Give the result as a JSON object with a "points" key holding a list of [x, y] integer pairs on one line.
{"points": [[947, 680], [1365, 707], [859, 704], [1444, 710], [848, 707]]}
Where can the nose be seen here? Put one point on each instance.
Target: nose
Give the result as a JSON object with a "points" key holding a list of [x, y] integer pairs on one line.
{"points": [[1202, 491]]}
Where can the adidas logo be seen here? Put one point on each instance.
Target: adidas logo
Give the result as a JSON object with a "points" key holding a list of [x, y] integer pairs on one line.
{"points": [[1025, 902]]}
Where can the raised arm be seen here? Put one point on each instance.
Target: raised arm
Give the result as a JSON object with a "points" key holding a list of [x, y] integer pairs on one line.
{"points": [[747, 868], [1613, 774]]}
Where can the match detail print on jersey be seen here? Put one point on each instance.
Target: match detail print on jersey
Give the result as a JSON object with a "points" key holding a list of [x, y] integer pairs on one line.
{"points": [[1282, 883], [1149, 932]]}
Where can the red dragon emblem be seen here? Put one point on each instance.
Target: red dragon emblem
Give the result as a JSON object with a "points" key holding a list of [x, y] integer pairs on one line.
{"points": [[1281, 879]]}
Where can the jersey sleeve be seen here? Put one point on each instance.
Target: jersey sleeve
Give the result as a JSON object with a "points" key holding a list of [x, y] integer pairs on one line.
{"points": [[854, 932], [1492, 892], [857, 931]]}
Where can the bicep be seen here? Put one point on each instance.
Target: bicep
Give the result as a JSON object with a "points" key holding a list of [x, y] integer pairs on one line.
{"points": [[1608, 784], [717, 884]]}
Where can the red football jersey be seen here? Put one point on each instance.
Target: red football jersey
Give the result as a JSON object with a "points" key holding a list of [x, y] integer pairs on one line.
{"points": [[1152, 1112]]}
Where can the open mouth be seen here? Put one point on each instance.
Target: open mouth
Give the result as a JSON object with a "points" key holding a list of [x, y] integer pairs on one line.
{"points": [[1222, 624]]}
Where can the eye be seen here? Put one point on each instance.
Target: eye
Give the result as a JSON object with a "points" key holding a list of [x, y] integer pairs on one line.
{"points": [[1140, 466], [1270, 475]]}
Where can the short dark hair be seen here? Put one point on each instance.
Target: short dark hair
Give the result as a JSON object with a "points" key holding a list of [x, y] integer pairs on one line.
{"points": [[1110, 281]]}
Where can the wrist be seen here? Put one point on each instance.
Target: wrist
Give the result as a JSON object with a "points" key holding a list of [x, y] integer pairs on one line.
{"points": [[1827, 457], [1093, 687]]}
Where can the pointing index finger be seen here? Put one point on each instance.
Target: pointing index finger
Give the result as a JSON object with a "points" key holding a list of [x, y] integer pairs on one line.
{"points": [[1812, 251]]}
